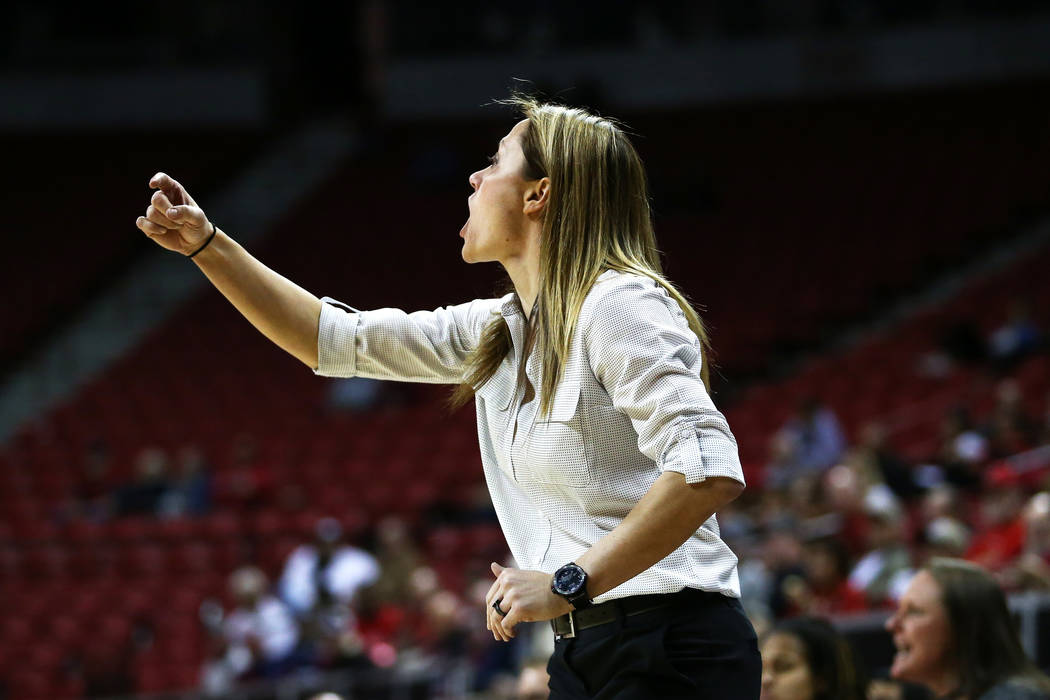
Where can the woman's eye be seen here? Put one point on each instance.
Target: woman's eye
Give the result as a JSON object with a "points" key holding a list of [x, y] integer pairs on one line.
{"points": [[493, 159]]}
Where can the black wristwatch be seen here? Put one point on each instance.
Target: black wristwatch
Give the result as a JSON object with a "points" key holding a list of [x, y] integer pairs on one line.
{"points": [[570, 582]]}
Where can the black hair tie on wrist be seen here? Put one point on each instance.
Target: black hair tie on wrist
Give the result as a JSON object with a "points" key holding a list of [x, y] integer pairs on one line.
{"points": [[205, 242]]}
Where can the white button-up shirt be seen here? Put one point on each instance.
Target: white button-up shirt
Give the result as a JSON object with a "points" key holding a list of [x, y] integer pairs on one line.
{"points": [[629, 406]]}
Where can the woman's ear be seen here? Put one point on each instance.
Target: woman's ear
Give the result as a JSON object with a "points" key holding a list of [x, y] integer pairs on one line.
{"points": [[537, 194]]}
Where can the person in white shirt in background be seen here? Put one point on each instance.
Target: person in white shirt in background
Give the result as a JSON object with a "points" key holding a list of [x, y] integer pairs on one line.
{"points": [[325, 571], [604, 454], [261, 632], [320, 582]]}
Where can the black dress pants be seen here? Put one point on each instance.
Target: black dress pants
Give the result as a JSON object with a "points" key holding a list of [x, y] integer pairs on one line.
{"points": [[700, 646]]}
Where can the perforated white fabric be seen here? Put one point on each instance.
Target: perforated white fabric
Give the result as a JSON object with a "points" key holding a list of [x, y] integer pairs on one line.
{"points": [[630, 405]]}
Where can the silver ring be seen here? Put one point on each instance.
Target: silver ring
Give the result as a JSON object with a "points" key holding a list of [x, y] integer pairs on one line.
{"points": [[497, 608]]}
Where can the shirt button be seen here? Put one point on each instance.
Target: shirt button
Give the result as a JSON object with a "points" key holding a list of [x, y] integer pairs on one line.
{"points": [[685, 433]]}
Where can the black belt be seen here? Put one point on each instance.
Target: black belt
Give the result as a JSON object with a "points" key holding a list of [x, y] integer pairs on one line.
{"points": [[570, 624]]}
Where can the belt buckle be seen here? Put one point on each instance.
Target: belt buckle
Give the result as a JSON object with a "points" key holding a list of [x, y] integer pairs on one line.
{"points": [[572, 627]]}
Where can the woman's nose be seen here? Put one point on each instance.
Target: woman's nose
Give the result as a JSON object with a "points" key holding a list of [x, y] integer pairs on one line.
{"points": [[475, 179]]}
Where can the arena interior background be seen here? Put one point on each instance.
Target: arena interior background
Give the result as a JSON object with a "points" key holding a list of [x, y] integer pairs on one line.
{"points": [[854, 192]]}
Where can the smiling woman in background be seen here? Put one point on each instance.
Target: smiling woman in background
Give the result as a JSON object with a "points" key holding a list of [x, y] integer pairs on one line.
{"points": [[954, 635]]}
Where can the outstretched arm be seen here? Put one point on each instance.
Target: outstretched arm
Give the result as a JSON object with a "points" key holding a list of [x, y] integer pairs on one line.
{"points": [[284, 312]]}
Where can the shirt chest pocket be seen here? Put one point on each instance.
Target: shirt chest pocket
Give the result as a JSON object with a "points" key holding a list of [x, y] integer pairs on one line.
{"points": [[556, 452]]}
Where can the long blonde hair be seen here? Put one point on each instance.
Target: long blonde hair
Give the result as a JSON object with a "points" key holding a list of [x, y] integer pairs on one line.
{"points": [[597, 219]]}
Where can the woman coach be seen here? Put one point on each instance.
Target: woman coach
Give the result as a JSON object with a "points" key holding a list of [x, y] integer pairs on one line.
{"points": [[605, 457]]}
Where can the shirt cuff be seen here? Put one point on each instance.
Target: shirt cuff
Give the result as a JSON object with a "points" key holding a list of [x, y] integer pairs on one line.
{"points": [[337, 339], [701, 457]]}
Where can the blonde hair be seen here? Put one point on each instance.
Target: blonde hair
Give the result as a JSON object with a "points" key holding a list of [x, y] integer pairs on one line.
{"points": [[597, 218]]}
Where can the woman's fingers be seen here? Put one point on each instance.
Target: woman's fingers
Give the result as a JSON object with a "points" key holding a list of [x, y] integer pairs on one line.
{"points": [[503, 591], [493, 620], [175, 193], [149, 228], [490, 597], [153, 231], [162, 181], [491, 624], [154, 215], [496, 625], [160, 201]]}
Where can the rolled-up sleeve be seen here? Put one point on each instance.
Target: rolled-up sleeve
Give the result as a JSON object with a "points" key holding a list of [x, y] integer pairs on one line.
{"points": [[641, 349], [422, 346]]}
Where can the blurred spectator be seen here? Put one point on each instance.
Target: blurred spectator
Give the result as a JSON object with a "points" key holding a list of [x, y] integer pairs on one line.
{"points": [[443, 635], [880, 462], [940, 526], [954, 634], [941, 501], [963, 449], [397, 557], [781, 467], [809, 443], [1032, 570], [806, 659], [249, 483], [320, 582], [882, 573], [946, 537], [190, 492], [143, 496], [826, 589], [1010, 430], [260, 634], [782, 562], [91, 495], [760, 515], [325, 571], [1018, 337], [847, 517], [533, 681], [1001, 531]]}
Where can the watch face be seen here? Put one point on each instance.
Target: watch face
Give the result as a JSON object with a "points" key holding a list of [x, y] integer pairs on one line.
{"points": [[569, 579]]}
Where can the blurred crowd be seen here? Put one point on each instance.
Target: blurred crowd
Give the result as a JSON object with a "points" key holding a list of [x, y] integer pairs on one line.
{"points": [[832, 528], [336, 606], [839, 528]]}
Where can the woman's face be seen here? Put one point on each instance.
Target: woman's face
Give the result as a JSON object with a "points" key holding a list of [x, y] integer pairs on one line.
{"points": [[922, 634], [785, 671], [495, 230]]}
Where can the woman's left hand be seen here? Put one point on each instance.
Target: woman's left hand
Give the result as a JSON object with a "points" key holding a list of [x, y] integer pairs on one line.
{"points": [[525, 596]]}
